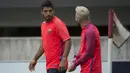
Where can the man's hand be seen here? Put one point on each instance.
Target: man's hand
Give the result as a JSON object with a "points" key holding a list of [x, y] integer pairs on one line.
{"points": [[74, 59], [62, 66], [32, 65], [72, 67]]}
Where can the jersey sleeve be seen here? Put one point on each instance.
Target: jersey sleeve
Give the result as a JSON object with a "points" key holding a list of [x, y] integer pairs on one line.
{"points": [[63, 31], [90, 42]]}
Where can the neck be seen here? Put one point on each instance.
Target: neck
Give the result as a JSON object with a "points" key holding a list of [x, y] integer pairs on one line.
{"points": [[84, 23]]}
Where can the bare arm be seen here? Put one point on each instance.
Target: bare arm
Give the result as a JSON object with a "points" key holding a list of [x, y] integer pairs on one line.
{"points": [[67, 48], [36, 57], [62, 65], [39, 53]]}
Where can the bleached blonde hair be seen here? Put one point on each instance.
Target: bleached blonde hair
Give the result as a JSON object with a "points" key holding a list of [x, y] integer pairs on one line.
{"points": [[82, 13]]}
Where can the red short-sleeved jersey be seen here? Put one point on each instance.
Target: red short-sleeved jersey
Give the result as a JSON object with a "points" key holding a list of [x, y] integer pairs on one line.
{"points": [[54, 34]]}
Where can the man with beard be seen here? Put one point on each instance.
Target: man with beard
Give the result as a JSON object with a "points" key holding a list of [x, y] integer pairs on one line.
{"points": [[56, 41]]}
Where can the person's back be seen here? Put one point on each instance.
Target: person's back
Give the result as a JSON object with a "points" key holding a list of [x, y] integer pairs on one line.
{"points": [[97, 67], [93, 64]]}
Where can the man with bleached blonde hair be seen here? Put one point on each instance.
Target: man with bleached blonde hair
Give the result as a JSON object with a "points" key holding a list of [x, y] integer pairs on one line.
{"points": [[89, 55]]}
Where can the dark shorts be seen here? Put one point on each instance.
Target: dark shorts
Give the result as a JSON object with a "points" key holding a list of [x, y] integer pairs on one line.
{"points": [[53, 70]]}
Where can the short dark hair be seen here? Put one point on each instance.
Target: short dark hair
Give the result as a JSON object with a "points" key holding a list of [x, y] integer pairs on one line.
{"points": [[47, 3]]}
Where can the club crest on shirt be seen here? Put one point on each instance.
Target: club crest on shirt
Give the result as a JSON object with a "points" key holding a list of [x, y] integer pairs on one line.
{"points": [[49, 30]]}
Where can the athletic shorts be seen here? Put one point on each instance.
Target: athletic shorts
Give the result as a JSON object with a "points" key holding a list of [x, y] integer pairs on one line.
{"points": [[53, 70]]}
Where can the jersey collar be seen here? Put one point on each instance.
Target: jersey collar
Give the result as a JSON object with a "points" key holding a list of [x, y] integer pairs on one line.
{"points": [[88, 23]]}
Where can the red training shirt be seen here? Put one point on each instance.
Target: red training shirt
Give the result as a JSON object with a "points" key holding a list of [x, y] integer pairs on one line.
{"points": [[54, 34]]}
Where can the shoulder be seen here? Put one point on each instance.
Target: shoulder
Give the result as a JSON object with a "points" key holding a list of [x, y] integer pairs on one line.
{"points": [[91, 30], [42, 24], [58, 22]]}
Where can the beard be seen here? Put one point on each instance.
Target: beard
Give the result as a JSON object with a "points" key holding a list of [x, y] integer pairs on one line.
{"points": [[48, 18]]}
